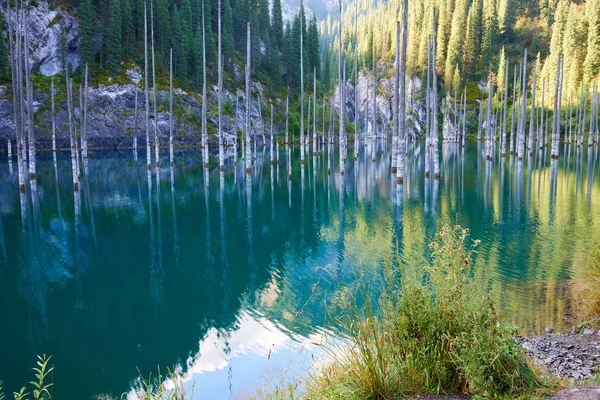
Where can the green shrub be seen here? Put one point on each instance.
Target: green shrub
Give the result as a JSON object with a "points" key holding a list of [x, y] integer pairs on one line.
{"points": [[441, 335]]}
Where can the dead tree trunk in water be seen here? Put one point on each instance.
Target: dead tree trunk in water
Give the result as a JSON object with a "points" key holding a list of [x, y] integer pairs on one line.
{"points": [[146, 92], [248, 54], [84, 146], [532, 112], [402, 96], [220, 79], [434, 127], [396, 128], [29, 94], [52, 111], [204, 98], [171, 158], [301, 85], [156, 131]]}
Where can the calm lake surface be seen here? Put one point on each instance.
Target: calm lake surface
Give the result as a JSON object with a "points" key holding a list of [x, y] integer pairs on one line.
{"points": [[233, 276]]}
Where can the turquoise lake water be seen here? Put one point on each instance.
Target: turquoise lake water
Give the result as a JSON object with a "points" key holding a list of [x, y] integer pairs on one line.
{"points": [[233, 276]]}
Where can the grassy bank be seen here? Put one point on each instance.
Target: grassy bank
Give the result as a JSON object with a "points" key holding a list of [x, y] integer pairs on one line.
{"points": [[442, 335]]}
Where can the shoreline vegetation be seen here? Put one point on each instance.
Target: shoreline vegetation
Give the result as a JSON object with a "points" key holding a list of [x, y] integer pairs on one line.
{"points": [[442, 335]]}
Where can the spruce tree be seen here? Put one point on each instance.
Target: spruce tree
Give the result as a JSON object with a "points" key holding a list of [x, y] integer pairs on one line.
{"points": [[591, 65], [113, 49], [127, 31], [86, 16], [472, 41], [455, 44], [490, 31], [277, 24]]}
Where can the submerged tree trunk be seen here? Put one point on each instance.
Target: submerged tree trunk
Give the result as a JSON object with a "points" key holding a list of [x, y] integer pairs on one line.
{"points": [[29, 94], [556, 115], [135, 121], [402, 96], [146, 91], [287, 120], [171, 157], [271, 137], [156, 130], [53, 115], [396, 127], [514, 113], [504, 112], [434, 127], [532, 112], [488, 121], [204, 98], [248, 155], [302, 85], [220, 95], [314, 110], [84, 144]]}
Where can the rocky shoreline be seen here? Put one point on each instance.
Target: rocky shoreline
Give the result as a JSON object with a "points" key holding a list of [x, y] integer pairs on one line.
{"points": [[574, 356]]}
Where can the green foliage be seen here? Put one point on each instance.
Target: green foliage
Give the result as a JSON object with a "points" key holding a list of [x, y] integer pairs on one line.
{"points": [[442, 334], [40, 388]]}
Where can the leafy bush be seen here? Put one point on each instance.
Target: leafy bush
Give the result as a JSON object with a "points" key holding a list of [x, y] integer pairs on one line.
{"points": [[441, 335]]}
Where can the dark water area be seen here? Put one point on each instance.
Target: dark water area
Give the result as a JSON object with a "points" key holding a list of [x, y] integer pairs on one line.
{"points": [[232, 275]]}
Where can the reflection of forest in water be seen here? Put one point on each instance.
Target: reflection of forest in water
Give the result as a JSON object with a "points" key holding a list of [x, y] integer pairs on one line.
{"points": [[136, 268]]}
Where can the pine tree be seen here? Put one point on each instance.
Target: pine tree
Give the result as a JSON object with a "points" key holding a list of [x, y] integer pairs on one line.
{"points": [[314, 55], [85, 13], [443, 33], [573, 49], [591, 65], [490, 31], [455, 44], [127, 30], [472, 41], [277, 24], [227, 21], [556, 42], [113, 49]]}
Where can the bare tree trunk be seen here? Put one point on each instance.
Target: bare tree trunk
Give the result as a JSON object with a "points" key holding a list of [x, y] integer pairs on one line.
{"points": [[396, 131], [248, 59], [541, 123], [323, 130], [488, 122], [592, 119], [204, 98], [434, 127], [464, 118], [71, 130], [427, 105], [287, 120], [523, 112], [53, 112], [156, 130], [401, 75], [29, 91], [84, 146], [146, 92], [341, 94], [314, 110], [171, 156], [302, 84], [356, 120], [220, 99], [532, 112], [271, 137], [555, 116], [135, 121], [514, 113]]}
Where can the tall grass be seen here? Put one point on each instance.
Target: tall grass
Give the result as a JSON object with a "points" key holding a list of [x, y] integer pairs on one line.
{"points": [[443, 334]]}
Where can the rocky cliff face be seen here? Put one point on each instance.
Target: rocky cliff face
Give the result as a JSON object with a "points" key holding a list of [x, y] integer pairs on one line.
{"points": [[415, 108], [112, 122], [53, 35]]}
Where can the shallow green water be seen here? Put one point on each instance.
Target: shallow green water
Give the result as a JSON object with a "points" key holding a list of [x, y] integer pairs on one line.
{"points": [[229, 274]]}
